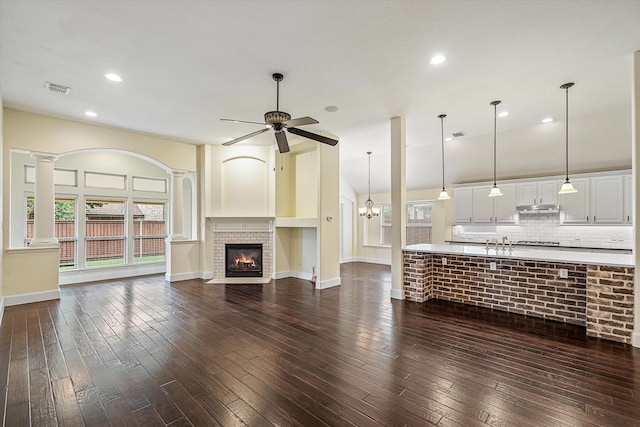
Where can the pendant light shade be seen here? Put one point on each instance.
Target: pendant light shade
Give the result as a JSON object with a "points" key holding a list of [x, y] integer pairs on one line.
{"points": [[369, 210], [443, 194], [567, 187], [495, 191]]}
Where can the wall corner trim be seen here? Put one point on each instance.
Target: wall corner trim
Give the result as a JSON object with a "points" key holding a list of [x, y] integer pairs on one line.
{"points": [[635, 339]]}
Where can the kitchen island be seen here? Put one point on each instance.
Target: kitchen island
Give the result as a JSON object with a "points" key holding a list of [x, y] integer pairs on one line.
{"points": [[591, 289]]}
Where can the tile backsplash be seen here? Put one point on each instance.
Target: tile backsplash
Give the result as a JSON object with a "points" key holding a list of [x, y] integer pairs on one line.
{"points": [[547, 227]]}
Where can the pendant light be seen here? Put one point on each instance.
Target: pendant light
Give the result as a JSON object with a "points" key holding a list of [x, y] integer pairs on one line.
{"points": [[495, 191], [567, 187], [443, 194], [368, 210]]}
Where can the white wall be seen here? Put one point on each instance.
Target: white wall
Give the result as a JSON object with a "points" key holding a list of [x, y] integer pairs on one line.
{"points": [[1, 207]]}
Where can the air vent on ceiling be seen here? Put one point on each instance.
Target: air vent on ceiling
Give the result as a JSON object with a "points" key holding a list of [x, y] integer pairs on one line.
{"points": [[457, 134], [56, 88]]}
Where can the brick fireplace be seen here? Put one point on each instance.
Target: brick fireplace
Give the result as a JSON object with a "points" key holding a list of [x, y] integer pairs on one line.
{"points": [[250, 233]]}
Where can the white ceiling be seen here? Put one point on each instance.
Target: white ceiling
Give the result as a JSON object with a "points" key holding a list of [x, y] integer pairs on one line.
{"points": [[187, 64]]}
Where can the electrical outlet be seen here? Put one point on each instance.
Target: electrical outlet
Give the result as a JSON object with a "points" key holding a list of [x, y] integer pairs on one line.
{"points": [[444, 261], [492, 266], [563, 273], [578, 236]]}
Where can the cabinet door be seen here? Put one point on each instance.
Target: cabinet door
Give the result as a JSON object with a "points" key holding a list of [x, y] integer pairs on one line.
{"points": [[482, 205], [628, 199], [526, 193], [607, 201], [575, 206], [547, 192], [504, 207], [463, 205]]}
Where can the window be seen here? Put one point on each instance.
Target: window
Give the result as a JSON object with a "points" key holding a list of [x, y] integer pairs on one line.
{"points": [[378, 229], [104, 232], [418, 223], [65, 229], [149, 231]]}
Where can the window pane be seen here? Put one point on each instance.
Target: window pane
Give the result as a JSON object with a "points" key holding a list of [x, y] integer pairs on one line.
{"points": [[65, 229], [105, 227], [149, 232]]}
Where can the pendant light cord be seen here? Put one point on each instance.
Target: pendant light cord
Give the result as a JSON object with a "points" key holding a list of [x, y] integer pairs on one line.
{"points": [[442, 116], [495, 126], [369, 154], [566, 115]]}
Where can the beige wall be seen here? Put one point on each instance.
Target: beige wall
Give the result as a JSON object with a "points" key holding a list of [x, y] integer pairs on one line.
{"points": [[1, 206]]}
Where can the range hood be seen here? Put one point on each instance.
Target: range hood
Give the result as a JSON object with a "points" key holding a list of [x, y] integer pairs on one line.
{"points": [[538, 209]]}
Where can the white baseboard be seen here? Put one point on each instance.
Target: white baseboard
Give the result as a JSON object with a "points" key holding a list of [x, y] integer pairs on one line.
{"points": [[206, 275], [397, 294], [324, 284], [31, 297], [373, 260], [1, 309], [292, 273], [94, 275], [183, 276], [635, 339], [349, 259]]}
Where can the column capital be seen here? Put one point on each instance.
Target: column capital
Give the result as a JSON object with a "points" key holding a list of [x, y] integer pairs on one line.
{"points": [[42, 156], [178, 173]]}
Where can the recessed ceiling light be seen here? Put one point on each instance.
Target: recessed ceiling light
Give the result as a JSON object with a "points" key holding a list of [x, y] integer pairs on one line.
{"points": [[448, 139], [437, 59], [547, 120], [331, 108], [503, 114], [113, 77], [90, 113]]}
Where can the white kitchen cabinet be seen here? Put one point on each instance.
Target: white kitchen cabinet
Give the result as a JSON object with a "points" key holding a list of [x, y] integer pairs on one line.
{"points": [[482, 205], [504, 207], [463, 205], [537, 193], [628, 199], [607, 201], [575, 206]]}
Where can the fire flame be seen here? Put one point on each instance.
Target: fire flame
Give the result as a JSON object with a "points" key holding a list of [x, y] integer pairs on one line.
{"points": [[244, 261]]}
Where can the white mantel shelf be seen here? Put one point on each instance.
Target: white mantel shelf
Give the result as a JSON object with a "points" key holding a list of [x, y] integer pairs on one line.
{"points": [[297, 222], [574, 257]]}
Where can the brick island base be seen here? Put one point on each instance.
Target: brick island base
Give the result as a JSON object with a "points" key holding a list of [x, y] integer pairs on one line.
{"points": [[595, 296]]}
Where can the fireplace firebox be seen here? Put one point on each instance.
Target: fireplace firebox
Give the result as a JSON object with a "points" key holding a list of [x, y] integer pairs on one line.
{"points": [[243, 260]]}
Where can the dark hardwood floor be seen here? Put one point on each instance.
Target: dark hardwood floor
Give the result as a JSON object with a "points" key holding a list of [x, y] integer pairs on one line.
{"points": [[149, 353]]}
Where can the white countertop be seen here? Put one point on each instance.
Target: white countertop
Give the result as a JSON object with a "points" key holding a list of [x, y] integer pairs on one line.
{"points": [[553, 255]]}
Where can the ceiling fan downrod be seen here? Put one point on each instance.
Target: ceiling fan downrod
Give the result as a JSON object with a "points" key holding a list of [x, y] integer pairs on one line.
{"points": [[278, 78]]}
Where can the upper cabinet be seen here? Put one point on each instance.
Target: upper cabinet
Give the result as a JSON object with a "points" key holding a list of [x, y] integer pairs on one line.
{"points": [[628, 199], [463, 205], [575, 206], [473, 205], [537, 193], [604, 198], [599, 200]]}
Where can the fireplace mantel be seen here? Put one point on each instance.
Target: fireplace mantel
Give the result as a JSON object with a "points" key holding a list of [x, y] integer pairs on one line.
{"points": [[241, 224]]}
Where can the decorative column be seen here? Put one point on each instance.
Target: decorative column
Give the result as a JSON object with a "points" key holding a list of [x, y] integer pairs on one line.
{"points": [[177, 206], [44, 204], [398, 215]]}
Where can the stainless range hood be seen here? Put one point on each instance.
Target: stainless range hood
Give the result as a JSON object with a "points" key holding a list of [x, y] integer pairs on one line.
{"points": [[538, 209]]}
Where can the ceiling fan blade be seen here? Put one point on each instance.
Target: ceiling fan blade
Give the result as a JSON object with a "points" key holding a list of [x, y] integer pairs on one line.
{"points": [[241, 121], [301, 121], [314, 136], [281, 139], [242, 138]]}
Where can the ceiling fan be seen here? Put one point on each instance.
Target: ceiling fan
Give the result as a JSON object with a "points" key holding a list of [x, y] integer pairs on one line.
{"points": [[279, 121]]}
